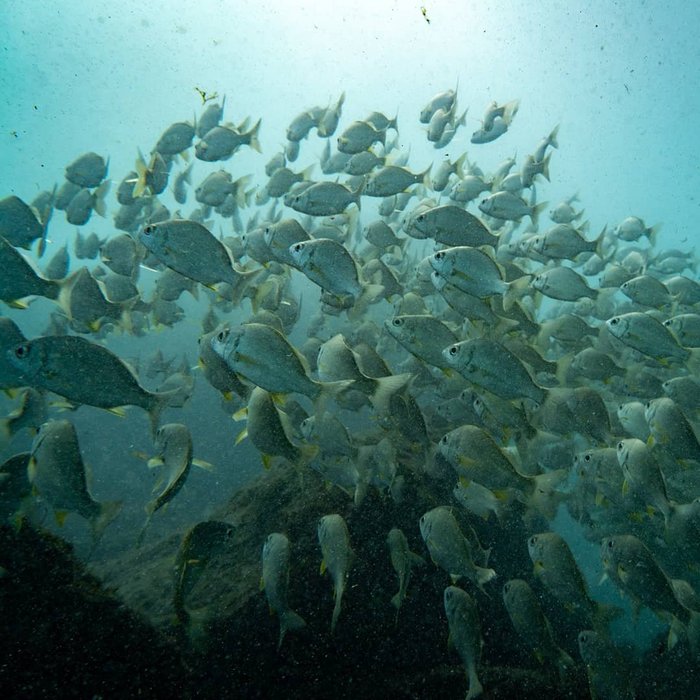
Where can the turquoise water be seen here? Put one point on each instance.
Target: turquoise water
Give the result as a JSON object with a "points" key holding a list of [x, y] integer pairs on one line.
{"points": [[620, 79]]}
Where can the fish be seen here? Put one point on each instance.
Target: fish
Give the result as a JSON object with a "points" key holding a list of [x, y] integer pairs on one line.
{"points": [[533, 627], [173, 444], [452, 226], [19, 279], [56, 470], [442, 100], [58, 266], [359, 136], [510, 207], [32, 413], [465, 634], [221, 142], [88, 170], [19, 223], [81, 206], [643, 474], [15, 489], [332, 267], [562, 283], [323, 198], [392, 179], [216, 370], [685, 329], [403, 560], [210, 118], [630, 565], [632, 228], [450, 549], [491, 366], [338, 557], [265, 357], [670, 429], [336, 361], [104, 381], [202, 543], [190, 249], [275, 582], [608, 669], [85, 304], [556, 567], [329, 121], [424, 336], [475, 272], [270, 430], [177, 138], [647, 335], [11, 376]]}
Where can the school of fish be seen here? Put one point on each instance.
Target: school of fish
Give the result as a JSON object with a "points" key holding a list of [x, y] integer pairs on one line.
{"points": [[456, 328]]}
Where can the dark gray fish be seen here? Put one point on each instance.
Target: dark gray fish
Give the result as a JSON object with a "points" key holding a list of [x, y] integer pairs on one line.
{"points": [[104, 381], [87, 170], [18, 278], [57, 268], [19, 224], [175, 139]]}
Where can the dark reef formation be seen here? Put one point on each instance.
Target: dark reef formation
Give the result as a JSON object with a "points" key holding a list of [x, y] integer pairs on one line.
{"points": [[68, 635]]}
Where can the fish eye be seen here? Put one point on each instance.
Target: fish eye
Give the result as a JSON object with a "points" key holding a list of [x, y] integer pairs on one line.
{"points": [[443, 439], [533, 540], [420, 217], [583, 637], [620, 445], [439, 255], [667, 323], [614, 321], [610, 544], [149, 229], [506, 588], [453, 350], [221, 336], [297, 248], [21, 351], [587, 458], [397, 322]]}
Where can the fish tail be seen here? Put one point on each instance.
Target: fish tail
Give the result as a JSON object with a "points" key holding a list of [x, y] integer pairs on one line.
{"points": [[516, 290], [336, 609], [483, 576], [254, 142], [369, 294], [5, 432], [100, 205], [329, 390], [510, 110], [386, 387], [159, 402], [107, 513], [289, 621], [535, 212]]}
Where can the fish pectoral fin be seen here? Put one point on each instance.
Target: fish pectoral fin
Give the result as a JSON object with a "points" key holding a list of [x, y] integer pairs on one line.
{"points": [[118, 411], [202, 464], [240, 414], [241, 436], [266, 460], [60, 516], [322, 570]]}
